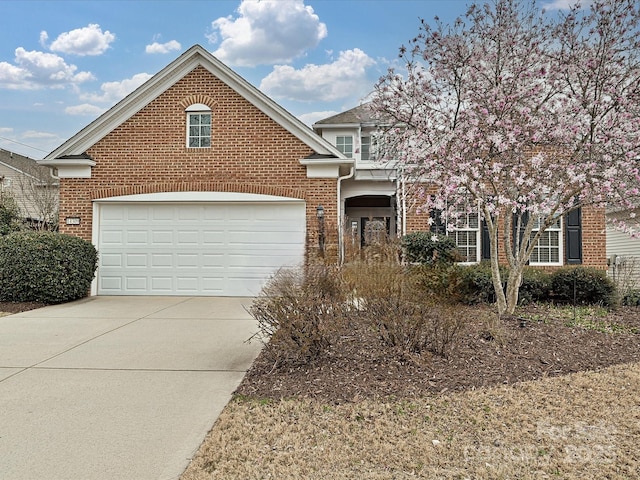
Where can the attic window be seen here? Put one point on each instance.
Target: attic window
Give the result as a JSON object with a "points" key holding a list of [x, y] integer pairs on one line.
{"points": [[198, 126]]}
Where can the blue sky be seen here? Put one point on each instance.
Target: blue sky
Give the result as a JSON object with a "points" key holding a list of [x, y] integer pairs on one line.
{"points": [[63, 63]]}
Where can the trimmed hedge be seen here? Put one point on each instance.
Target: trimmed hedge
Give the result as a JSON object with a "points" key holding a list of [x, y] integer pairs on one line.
{"points": [[429, 249], [477, 283], [45, 267], [535, 287], [583, 286]]}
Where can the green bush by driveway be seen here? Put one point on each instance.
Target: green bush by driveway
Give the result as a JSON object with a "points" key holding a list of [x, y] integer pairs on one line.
{"points": [[45, 267]]}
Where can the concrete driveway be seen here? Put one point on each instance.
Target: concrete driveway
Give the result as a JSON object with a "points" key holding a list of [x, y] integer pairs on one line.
{"points": [[117, 387]]}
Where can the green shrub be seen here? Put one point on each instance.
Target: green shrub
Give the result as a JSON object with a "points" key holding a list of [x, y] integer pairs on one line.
{"points": [[438, 283], [45, 267], [10, 218], [535, 287], [631, 298], [428, 248], [476, 283], [582, 286]]}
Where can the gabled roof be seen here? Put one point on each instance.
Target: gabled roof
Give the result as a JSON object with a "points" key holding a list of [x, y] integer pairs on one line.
{"points": [[24, 165], [360, 115], [167, 77]]}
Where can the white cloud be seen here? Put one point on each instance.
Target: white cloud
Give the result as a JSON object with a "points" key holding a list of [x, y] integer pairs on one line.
{"points": [[343, 78], [167, 47], [89, 40], [84, 109], [564, 4], [267, 31], [35, 134], [112, 92], [14, 78], [35, 70]]}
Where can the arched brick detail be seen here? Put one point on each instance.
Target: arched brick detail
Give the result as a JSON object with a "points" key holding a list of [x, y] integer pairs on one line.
{"points": [[199, 187], [199, 98]]}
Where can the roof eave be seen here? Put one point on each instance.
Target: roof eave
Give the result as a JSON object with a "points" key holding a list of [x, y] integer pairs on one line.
{"points": [[163, 80]]}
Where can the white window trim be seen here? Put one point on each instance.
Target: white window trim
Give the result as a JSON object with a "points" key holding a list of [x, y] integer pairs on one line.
{"points": [[478, 232], [352, 154], [202, 109], [560, 261]]}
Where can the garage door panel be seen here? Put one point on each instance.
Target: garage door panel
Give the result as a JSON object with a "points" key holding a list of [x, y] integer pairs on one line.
{"points": [[133, 283], [135, 260], [159, 260], [188, 237], [187, 260], [162, 237], [111, 284], [197, 249], [137, 212]]}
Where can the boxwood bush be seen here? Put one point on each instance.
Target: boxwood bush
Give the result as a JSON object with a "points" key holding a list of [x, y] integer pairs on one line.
{"points": [[582, 285], [428, 248], [535, 287], [45, 267], [477, 283]]}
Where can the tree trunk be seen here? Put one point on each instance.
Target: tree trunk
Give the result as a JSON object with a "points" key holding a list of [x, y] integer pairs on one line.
{"points": [[495, 266], [513, 287]]}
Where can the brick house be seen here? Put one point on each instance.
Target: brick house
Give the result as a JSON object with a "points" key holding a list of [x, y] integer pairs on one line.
{"points": [[376, 199], [197, 184]]}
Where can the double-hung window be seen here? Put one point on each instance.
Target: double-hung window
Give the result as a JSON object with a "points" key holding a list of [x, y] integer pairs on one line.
{"points": [[344, 143], [368, 148], [198, 126], [548, 249], [463, 227], [465, 231]]}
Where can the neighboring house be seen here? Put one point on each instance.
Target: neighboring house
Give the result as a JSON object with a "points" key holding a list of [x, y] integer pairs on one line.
{"points": [[379, 198], [197, 184], [623, 255], [31, 186]]}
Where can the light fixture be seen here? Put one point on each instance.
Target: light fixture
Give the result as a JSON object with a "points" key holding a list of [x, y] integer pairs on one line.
{"points": [[320, 211]]}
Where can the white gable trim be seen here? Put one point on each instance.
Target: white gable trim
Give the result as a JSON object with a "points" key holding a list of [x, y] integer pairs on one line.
{"points": [[167, 77]]}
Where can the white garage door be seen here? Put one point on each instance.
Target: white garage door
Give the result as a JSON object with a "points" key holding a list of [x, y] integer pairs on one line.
{"points": [[215, 248]]}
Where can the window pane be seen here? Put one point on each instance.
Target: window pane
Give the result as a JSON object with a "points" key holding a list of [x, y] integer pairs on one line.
{"points": [[473, 220], [199, 130]]}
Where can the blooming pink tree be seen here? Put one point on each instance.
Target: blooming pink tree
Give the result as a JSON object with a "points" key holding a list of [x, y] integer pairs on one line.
{"points": [[521, 115]]}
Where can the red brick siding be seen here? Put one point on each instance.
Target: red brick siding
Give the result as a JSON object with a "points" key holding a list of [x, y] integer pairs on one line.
{"points": [[249, 153], [594, 251]]}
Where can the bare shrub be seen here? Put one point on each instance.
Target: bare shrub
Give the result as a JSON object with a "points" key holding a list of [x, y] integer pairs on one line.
{"points": [[296, 312], [414, 328], [393, 298]]}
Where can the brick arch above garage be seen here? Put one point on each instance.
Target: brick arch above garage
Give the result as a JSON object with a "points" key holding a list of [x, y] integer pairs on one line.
{"points": [[198, 187]]}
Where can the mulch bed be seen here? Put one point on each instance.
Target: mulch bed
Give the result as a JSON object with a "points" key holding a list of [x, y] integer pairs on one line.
{"points": [[359, 366], [17, 307]]}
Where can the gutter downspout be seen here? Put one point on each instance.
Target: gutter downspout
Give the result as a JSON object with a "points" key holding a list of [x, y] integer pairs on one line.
{"points": [[340, 229]]}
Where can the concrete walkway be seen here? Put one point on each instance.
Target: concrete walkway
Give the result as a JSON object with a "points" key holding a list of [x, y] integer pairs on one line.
{"points": [[117, 387]]}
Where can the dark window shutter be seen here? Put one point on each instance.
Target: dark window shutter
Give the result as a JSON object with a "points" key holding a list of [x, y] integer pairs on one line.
{"points": [[438, 226], [524, 218], [485, 243], [573, 235]]}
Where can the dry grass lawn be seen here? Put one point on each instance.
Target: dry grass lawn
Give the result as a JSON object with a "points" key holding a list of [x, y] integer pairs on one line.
{"points": [[580, 426]]}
